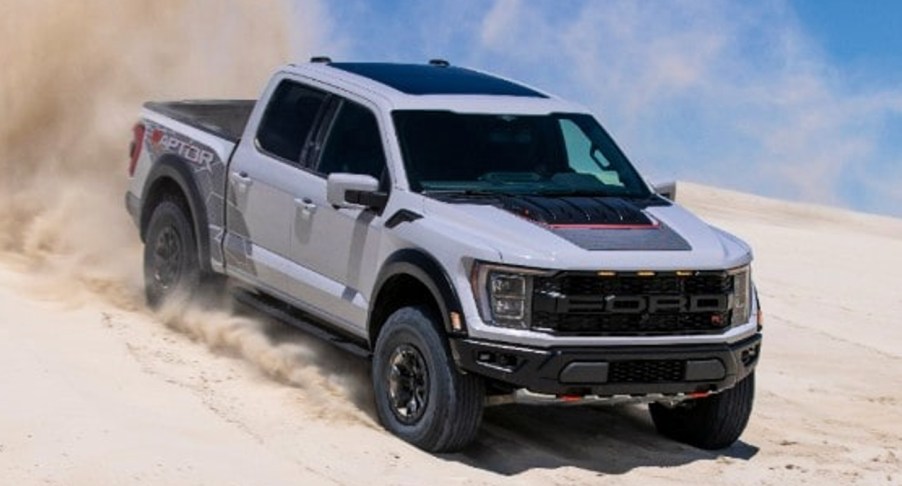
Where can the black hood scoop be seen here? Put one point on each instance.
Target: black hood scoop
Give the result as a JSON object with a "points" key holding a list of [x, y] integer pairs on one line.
{"points": [[577, 211], [596, 223]]}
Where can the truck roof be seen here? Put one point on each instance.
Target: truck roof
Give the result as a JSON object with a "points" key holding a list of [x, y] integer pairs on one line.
{"points": [[435, 86], [421, 79]]}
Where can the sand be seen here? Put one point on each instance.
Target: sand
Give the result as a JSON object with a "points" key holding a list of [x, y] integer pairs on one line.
{"points": [[96, 390]]}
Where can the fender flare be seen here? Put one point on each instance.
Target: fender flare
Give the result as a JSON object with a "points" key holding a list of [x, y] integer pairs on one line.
{"points": [[176, 169], [427, 270]]}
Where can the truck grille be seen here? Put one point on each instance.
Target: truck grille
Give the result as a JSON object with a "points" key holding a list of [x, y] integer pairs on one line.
{"points": [[632, 304], [656, 371]]}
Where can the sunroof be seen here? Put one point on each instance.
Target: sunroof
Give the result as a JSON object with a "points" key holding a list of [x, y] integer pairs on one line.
{"points": [[421, 79]]}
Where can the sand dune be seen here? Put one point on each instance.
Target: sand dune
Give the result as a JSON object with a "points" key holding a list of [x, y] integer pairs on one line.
{"points": [[95, 390]]}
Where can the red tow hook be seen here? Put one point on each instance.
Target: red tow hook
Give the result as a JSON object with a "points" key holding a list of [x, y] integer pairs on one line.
{"points": [[570, 398]]}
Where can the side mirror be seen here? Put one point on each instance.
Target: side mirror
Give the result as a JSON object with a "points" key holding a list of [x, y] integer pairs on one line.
{"points": [[665, 189], [354, 191]]}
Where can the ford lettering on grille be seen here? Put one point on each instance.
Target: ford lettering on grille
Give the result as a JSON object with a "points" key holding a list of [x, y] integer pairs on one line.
{"points": [[637, 304]]}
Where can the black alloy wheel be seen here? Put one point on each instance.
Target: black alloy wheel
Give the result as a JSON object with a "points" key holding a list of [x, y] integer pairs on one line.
{"points": [[167, 258], [408, 384]]}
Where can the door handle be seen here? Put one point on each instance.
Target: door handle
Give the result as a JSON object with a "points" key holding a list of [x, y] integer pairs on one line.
{"points": [[305, 204], [241, 179]]}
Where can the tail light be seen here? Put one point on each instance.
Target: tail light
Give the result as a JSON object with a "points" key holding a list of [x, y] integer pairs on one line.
{"points": [[134, 149]]}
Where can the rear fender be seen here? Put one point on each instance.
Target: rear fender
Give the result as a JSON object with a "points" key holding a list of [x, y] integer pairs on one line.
{"points": [[168, 170]]}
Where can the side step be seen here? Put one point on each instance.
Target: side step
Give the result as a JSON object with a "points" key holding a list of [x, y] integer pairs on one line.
{"points": [[285, 313]]}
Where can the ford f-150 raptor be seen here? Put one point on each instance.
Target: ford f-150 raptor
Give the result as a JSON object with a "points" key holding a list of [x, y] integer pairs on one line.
{"points": [[480, 240]]}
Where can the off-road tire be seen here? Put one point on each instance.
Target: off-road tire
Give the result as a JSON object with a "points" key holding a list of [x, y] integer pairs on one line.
{"points": [[170, 254], [714, 422], [451, 407]]}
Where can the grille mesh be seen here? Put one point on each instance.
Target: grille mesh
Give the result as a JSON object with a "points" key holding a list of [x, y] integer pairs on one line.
{"points": [[630, 324], [653, 371], [670, 283]]}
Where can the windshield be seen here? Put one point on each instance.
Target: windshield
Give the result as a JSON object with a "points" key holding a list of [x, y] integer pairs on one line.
{"points": [[557, 154]]}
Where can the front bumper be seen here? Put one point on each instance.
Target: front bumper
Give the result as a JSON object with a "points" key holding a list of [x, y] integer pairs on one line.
{"points": [[613, 370]]}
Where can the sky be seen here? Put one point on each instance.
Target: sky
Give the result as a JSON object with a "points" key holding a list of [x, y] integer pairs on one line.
{"points": [[796, 99]]}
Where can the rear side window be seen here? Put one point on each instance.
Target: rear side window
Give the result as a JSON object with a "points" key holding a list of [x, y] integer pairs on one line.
{"points": [[354, 144], [288, 119]]}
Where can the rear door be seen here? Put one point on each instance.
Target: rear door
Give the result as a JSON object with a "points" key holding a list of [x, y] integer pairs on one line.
{"points": [[263, 184]]}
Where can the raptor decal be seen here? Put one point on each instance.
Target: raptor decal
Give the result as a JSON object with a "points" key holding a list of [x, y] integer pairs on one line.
{"points": [[209, 173]]}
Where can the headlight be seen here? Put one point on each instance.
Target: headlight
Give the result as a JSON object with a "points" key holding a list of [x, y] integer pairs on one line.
{"points": [[504, 294], [742, 295]]}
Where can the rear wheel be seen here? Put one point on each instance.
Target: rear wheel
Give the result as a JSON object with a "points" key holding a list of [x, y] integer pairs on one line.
{"points": [[420, 395], [170, 254], [713, 422]]}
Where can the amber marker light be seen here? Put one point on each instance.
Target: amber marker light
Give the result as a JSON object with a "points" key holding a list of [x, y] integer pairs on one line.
{"points": [[456, 323]]}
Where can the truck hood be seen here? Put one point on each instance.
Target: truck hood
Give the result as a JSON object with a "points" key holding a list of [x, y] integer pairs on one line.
{"points": [[589, 233]]}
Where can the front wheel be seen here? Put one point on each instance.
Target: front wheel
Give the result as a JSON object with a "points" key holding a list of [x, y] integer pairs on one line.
{"points": [[713, 422], [420, 395]]}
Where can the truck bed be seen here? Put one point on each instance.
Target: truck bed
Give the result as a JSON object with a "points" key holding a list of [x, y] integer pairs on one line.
{"points": [[223, 118]]}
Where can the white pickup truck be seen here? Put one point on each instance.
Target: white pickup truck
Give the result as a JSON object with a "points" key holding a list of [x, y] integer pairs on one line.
{"points": [[480, 240]]}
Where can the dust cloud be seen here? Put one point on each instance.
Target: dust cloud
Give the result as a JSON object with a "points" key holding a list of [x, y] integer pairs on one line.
{"points": [[75, 75], [335, 383]]}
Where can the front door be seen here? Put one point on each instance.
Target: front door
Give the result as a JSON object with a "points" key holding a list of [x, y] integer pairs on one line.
{"points": [[340, 246]]}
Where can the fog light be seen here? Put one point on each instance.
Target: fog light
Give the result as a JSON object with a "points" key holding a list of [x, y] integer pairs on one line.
{"points": [[485, 357]]}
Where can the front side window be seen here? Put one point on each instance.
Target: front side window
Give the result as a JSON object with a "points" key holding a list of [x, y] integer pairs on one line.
{"points": [[288, 120], [556, 154], [354, 144]]}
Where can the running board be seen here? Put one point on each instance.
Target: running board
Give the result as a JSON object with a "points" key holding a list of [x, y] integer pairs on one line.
{"points": [[291, 316]]}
